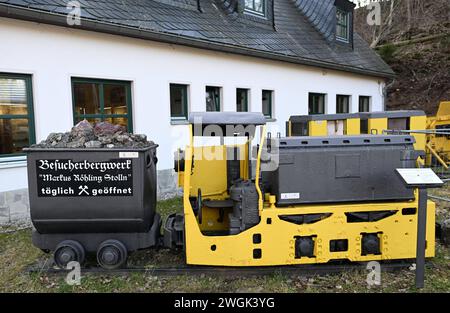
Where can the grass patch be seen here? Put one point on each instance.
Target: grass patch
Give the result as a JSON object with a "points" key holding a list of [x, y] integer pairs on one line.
{"points": [[167, 207], [17, 253]]}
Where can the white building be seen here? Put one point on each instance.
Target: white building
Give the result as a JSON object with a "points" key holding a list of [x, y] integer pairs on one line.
{"points": [[147, 63]]}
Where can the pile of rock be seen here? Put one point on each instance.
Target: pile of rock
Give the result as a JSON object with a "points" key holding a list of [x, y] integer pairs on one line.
{"points": [[100, 135]]}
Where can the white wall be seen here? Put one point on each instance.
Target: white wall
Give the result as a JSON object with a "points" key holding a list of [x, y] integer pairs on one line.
{"points": [[54, 54], [13, 178]]}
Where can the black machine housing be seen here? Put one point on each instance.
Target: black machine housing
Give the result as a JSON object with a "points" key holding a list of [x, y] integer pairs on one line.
{"points": [[341, 169]]}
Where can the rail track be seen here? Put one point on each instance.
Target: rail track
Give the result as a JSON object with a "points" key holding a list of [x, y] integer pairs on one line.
{"points": [[299, 270]]}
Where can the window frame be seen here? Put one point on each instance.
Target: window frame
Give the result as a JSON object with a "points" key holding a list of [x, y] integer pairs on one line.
{"points": [[30, 108], [247, 96], [271, 100], [254, 12], [347, 25], [185, 102], [369, 98], [220, 98], [348, 103], [312, 94], [102, 115]]}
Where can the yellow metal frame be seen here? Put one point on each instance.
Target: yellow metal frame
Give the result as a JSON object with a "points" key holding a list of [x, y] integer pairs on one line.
{"points": [[398, 237], [439, 145], [397, 233], [419, 123], [376, 126], [317, 128], [353, 126], [320, 127]]}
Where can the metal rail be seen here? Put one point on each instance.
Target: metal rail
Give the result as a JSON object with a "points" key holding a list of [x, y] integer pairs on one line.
{"points": [[436, 155], [300, 270], [428, 132], [439, 198]]}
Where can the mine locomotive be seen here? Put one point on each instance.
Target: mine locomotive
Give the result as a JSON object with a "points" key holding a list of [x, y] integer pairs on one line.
{"points": [[281, 201]]}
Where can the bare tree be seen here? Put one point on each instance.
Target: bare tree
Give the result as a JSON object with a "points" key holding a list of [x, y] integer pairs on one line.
{"points": [[391, 12], [402, 20], [382, 30], [409, 14]]}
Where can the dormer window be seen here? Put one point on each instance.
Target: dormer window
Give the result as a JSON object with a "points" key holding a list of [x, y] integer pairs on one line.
{"points": [[342, 25], [257, 7]]}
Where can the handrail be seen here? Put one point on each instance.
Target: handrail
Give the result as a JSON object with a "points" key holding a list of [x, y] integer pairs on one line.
{"points": [[437, 156], [258, 169]]}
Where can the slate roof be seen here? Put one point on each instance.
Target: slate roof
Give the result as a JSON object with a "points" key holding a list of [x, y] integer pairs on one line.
{"points": [[296, 31], [321, 14]]}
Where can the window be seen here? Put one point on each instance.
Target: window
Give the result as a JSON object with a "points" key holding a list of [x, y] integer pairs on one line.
{"points": [[241, 100], [102, 100], [299, 129], [267, 103], [316, 103], [342, 25], [256, 6], [213, 99], [342, 104], [364, 126], [178, 102], [16, 114], [401, 123], [364, 104]]}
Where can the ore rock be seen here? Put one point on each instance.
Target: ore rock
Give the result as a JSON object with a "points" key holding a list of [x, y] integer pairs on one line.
{"points": [[77, 143], [93, 144], [83, 129], [105, 128], [122, 138], [100, 135], [105, 139]]}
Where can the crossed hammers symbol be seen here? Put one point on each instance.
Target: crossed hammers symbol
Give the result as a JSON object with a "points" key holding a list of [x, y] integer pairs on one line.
{"points": [[83, 189]]}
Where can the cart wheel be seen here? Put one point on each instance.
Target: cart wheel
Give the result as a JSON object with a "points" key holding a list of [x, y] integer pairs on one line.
{"points": [[68, 251], [111, 254]]}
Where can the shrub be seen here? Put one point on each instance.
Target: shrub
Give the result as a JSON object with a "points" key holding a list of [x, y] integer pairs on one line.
{"points": [[387, 52]]}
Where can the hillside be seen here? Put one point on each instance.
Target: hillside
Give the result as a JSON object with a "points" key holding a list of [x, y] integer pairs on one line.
{"points": [[417, 47]]}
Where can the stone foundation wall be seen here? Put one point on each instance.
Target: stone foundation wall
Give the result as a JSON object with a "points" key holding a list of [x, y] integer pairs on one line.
{"points": [[15, 205], [167, 185]]}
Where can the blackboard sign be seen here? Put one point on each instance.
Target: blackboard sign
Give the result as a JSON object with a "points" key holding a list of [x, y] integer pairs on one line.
{"points": [[66, 178]]}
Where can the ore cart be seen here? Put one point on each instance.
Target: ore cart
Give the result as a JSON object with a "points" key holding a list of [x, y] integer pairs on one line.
{"points": [[93, 200]]}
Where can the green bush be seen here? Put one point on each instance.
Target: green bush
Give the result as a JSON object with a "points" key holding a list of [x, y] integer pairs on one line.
{"points": [[387, 52]]}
